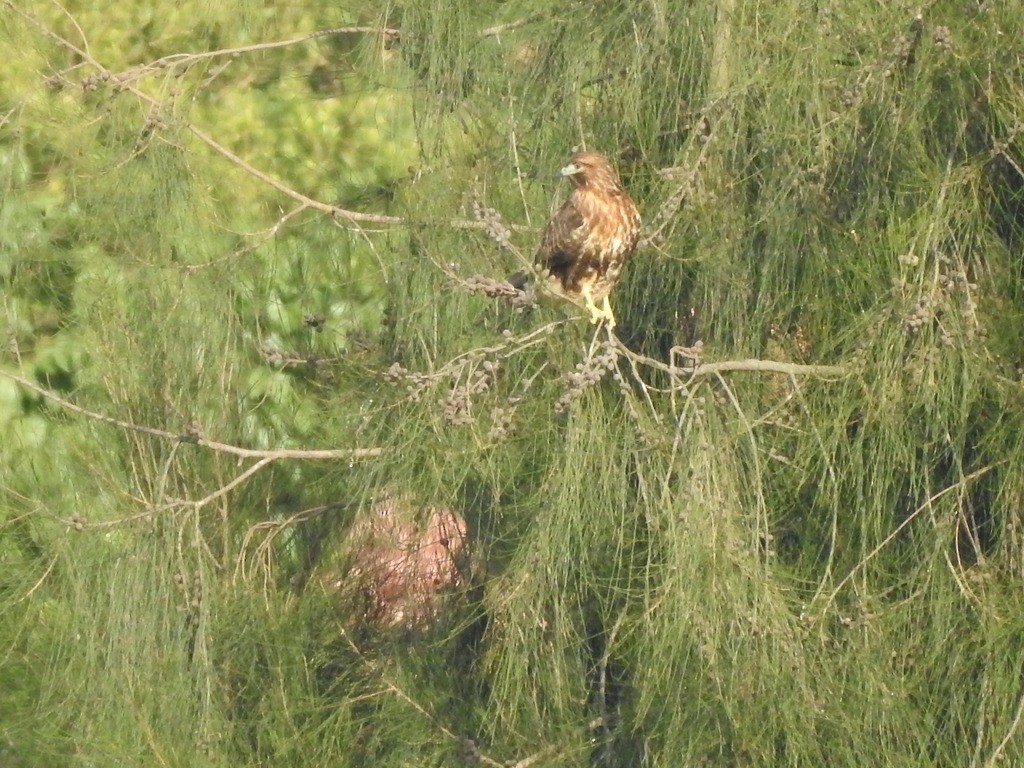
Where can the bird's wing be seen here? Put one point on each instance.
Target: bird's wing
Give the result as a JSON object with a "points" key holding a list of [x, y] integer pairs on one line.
{"points": [[560, 244]]}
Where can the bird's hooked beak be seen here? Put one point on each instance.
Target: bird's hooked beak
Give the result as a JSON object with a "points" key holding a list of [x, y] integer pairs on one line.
{"points": [[571, 170]]}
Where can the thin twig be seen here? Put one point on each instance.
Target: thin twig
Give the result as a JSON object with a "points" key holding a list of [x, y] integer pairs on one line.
{"points": [[758, 484], [727, 366], [896, 531], [280, 186], [180, 59], [39, 583], [769, 366], [265, 235], [336, 211], [510, 25], [666, 214], [351, 454], [225, 489], [996, 755], [552, 749], [264, 551]]}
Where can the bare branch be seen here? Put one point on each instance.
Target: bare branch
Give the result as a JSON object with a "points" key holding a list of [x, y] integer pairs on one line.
{"points": [[351, 454], [280, 186], [770, 366], [264, 236], [123, 82], [222, 491], [497, 29], [726, 366], [186, 59]]}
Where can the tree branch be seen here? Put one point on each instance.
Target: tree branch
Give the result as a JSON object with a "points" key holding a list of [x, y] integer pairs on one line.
{"points": [[497, 29], [702, 369], [122, 81], [351, 454], [185, 59]]}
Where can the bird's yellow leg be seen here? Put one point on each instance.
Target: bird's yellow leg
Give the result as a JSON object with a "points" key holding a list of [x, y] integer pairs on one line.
{"points": [[606, 312], [596, 314]]}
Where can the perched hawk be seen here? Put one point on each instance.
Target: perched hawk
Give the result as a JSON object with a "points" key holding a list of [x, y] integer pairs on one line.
{"points": [[589, 239]]}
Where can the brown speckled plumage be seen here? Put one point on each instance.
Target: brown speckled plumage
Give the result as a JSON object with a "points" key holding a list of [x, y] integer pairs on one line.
{"points": [[589, 239]]}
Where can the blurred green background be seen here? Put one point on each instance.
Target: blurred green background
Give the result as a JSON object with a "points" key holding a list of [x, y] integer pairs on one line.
{"points": [[816, 564]]}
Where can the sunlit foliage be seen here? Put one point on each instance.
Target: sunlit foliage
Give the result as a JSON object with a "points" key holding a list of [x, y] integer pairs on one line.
{"points": [[251, 286]]}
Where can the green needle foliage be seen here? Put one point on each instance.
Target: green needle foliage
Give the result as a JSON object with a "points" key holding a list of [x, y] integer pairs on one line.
{"points": [[252, 306]]}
